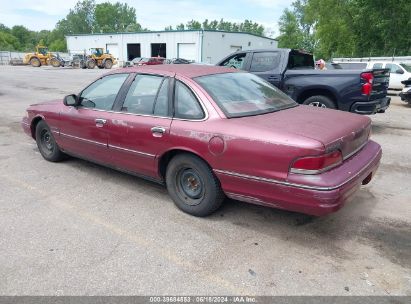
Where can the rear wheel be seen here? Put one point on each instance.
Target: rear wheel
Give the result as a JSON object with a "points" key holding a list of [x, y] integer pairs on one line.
{"points": [[320, 101], [193, 186], [91, 64], [108, 64], [35, 62], [46, 143]]}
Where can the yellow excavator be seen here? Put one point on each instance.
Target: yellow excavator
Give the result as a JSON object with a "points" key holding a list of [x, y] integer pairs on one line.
{"points": [[42, 56], [100, 59]]}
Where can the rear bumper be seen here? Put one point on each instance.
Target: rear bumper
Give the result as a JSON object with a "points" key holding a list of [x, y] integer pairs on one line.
{"points": [[316, 194], [371, 107]]}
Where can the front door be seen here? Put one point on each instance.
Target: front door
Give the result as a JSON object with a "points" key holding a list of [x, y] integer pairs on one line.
{"points": [[83, 129], [139, 130]]}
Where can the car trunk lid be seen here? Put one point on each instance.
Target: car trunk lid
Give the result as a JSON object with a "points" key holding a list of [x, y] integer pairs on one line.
{"points": [[334, 129]]}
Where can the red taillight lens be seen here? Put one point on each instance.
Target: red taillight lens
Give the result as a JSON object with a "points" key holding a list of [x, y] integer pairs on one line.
{"points": [[316, 164], [368, 78]]}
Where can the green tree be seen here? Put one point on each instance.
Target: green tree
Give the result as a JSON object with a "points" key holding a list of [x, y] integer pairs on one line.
{"points": [[291, 34], [117, 17]]}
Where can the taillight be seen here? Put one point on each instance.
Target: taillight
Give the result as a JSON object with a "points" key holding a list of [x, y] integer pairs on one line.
{"points": [[368, 78], [316, 164]]}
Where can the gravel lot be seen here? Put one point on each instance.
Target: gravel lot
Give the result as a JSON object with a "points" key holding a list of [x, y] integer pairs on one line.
{"points": [[75, 228]]}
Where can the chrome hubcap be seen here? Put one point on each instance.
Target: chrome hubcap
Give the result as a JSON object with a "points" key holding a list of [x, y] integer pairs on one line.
{"points": [[317, 104]]}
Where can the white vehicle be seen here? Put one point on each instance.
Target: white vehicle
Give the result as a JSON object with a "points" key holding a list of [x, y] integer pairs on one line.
{"points": [[399, 71]]}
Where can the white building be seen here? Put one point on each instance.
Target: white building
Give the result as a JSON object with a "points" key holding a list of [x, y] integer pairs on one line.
{"points": [[198, 45]]}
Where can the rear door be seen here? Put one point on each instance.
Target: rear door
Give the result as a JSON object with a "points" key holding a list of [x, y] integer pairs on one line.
{"points": [[139, 128], [83, 129], [266, 66]]}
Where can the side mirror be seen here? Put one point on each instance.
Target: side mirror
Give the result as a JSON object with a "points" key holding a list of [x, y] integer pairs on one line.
{"points": [[399, 71], [70, 100]]}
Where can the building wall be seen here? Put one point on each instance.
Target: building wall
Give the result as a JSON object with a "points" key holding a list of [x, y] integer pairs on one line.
{"points": [[209, 46], [77, 44], [217, 45]]}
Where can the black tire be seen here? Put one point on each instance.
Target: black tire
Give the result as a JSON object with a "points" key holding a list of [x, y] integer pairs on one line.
{"points": [[35, 62], [91, 64], [46, 143], [320, 101], [55, 62], [108, 64], [192, 185]]}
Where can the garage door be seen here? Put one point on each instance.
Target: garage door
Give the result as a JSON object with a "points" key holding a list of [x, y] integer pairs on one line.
{"points": [[113, 49], [187, 51]]}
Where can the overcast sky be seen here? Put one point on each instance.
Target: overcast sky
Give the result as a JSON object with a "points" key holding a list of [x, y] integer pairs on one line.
{"points": [[152, 14]]}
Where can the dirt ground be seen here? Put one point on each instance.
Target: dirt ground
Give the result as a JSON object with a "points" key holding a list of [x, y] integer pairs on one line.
{"points": [[75, 228]]}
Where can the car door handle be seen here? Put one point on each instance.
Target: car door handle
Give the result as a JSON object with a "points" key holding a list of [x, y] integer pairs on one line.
{"points": [[100, 121], [158, 130]]}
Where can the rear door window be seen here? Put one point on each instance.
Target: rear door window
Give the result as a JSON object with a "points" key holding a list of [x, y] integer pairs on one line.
{"points": [[377, 66], [264, 61], [393, 67], [143, 94]]}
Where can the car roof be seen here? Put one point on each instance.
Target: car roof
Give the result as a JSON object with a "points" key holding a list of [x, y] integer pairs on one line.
{"points": [[185, 70]]}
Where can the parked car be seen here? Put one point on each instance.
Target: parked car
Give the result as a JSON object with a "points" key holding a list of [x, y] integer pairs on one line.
{"points": [[362, 92], [406, 91], [207, 132], [151, 61], [399, 72], [178, 61], [132, 62]]}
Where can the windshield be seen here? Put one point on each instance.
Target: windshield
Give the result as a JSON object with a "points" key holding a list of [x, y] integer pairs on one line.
{"points": [[406, 67], [244, 94]]}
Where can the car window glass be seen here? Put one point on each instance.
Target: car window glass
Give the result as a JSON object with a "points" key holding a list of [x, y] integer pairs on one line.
{"points": [[141, 95], [264, 61], [236, 61], [102, 93], [393, 67], [161, 103], [377, 66], [186, 104]]}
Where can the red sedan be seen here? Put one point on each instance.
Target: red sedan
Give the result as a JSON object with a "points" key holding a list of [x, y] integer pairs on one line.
{"points": [[210, 132]]}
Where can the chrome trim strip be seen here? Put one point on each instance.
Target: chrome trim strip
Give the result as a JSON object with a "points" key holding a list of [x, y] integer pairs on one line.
{"points": [[301, 186], [131, 151], [83, 139]]}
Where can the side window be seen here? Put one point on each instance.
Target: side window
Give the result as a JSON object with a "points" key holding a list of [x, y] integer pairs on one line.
{"points": [[264, 61], [186, 104], [393, 67], [102, 93], [142, 94], [236, 61], [377, 66]]}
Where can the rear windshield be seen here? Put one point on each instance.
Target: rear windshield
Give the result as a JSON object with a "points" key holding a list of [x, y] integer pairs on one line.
{"points": [[244, 94], [297, 60]]}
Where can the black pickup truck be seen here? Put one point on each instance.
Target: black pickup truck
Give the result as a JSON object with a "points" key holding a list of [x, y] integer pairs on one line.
{"points": [[292, 71]]}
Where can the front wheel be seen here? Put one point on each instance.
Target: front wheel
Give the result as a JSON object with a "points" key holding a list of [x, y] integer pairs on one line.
{"points": [[320, 101], [193, 186], [46, 143], [108, 64]]}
